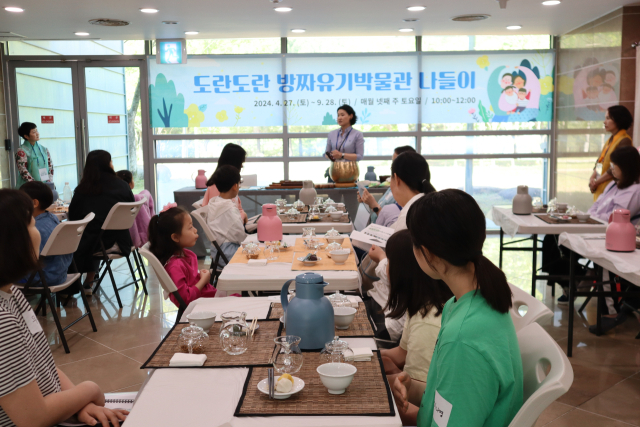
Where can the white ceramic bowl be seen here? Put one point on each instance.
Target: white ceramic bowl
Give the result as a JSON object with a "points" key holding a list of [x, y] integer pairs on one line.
{"points": [[336, 377], [336, 216], [340, 256], [204, 319], [338, 239], [309, 263], [583, 217], [343, 316]]}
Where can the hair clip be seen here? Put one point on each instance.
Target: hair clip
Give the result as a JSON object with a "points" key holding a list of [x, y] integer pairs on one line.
{"points": [[168, 206]]}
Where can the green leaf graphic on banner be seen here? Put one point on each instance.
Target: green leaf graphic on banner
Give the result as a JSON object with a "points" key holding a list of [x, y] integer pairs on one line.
{"points": [[166, 106], [484, 113], [202, 107], [329, 120]]}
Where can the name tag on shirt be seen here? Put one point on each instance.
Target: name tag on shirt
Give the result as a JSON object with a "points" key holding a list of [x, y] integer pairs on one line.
{"points": [[441, 410], [44, 174], [32, 321]]}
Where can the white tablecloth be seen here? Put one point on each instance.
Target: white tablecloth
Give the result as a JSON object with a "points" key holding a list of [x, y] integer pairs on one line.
{"points": [[625, 264], [321, 227], [208, 397], [513, 224], [242, 277]]}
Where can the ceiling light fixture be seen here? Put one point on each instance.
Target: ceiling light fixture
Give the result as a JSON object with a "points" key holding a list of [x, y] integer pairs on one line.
{"points": [[410, 20], [170, 22], [148, 10], [416, 8], [406, 30], [81, 33], [514, 27], [551, 2], [282, 9], [191, 33], [470, 18], [298, 30], [14, 9]]}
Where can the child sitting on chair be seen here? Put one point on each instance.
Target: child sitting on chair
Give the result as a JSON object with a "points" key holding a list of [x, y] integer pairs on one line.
{"points": [[54, 267], [171, 232], [139, 229], [223, 217]]}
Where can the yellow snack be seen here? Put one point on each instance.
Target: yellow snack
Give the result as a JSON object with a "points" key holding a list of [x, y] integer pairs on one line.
{"points": [[287, 376], [284, 384]]}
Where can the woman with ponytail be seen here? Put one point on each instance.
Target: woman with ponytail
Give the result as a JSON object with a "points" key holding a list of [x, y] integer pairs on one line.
{"points": [[475, 376], [410, 180]]}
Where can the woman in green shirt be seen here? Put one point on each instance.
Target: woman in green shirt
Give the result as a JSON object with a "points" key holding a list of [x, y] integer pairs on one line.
{"points": [[475, 376], [32, 159]]}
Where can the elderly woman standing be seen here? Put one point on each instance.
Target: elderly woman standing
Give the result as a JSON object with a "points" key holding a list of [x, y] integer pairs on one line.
{"points": [[617, 121]]}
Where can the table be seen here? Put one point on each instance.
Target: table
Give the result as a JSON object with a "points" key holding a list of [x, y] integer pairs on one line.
{"points": [[321, 227], [623, 264], [514, 224], [242, 277]]}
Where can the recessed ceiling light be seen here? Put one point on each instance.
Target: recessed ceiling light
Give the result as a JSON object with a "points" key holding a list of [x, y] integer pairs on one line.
{"points": [[14, 9], [416, 8], [282, 9], [298, 30], [170, 22], [81, 33], [191, 33], [514, 27], [406, 30], [551, 2], [149, 10], [410, 20]]}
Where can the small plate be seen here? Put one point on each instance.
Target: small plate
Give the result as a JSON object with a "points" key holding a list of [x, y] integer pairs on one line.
{"points": [[298, 385], [308, 263]]}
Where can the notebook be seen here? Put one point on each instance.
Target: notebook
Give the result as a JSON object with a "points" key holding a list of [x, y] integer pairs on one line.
{"points": [[112, 401]]}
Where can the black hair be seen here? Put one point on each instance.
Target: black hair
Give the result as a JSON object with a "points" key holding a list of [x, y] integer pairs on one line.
{"points": [[39, 191], [125, 175], [413, 170], [628, 160], [411, 290], [592, 88], [225, 177], [161, 227], [450, 225], [26, 128], [98, 164], [350, 111], [18, 257], [233, 155], [508, 74], [621, 116], [522, 90], [508, 87], [404, 149]]}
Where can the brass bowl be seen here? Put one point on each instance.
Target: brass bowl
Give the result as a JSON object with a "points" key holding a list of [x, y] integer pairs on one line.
{"points": [[344, 171]]}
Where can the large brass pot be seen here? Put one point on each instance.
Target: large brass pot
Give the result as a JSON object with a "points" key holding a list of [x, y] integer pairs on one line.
{"points": [[344, 171]]}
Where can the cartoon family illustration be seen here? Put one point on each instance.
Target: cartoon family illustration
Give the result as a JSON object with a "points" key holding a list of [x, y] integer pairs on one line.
{"points": [[515, 99], [515, 93], [594, 88]]}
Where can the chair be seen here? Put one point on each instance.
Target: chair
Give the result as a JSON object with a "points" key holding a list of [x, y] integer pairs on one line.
{"points": [[64, 240], [163, 277], [198, 204], [249, 181], [201, 217], [121, 217], [540, 353], [536, 310]]}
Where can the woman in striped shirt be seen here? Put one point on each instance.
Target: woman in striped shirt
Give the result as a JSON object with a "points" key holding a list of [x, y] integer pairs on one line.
{"points": [[33, 392]]}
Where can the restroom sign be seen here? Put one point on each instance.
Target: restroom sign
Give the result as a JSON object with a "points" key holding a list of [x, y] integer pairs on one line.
{"points": [[113, 119], [46, 119]]}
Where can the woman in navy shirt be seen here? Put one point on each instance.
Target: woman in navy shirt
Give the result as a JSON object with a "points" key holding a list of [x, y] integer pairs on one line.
{"points": [[346, 143]]}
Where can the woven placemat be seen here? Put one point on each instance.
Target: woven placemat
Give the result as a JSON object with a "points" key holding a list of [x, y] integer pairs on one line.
{"points": [[573, 220], [368, 394], [258, 353], [300, 218], [360, 327], [304, 210]]}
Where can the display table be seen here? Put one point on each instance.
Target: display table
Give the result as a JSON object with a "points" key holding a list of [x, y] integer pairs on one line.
{"points": [[623, 264], [271, 277], [514, 224]]}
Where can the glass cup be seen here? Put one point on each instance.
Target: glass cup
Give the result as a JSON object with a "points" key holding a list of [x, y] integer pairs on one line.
{"points": [[317, 200], [308, 232], [288, 358], [271, 250], [233, 332]]}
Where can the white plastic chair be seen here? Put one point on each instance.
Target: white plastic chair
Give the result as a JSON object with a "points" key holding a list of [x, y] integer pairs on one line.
{"points": [[198, 204], [200, 215], [121, 217], [540, 353], [249, 181], [163, 277], [536, 310], [64, 240]]}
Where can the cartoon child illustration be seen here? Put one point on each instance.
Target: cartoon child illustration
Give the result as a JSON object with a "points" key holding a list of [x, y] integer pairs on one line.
{"points": [[592, 98], [510, 99], [519, 81], [610, 77], [607, 97], [596, 77], [507, 80], [522, 101]]}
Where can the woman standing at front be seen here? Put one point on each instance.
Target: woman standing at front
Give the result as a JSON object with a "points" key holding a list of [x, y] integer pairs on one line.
{"points": [[617, 121], [32, 159], [345, 143]]}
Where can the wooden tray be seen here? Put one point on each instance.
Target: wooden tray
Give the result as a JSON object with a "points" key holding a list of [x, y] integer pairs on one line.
{"points": [[574, 220], [301, 218]]}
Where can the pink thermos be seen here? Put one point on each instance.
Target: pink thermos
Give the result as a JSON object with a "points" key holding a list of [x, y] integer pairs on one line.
{"points": [[201, 179], [269, 224], [621, 234]]}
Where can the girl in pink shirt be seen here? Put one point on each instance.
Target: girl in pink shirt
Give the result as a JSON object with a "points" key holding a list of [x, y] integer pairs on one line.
{"points": [[233, 155], [170, 233]]}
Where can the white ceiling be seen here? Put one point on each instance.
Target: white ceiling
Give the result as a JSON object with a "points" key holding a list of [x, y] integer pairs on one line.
{"points": [[59, 19]]}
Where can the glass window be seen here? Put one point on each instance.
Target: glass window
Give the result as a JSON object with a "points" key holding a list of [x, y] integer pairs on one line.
{"points": [[76, 47], [500, 42], [452, 127], [572, 178], [373, 146], [350, 44], [232, 46], [581, 142], [212, 148], [485, 144]]}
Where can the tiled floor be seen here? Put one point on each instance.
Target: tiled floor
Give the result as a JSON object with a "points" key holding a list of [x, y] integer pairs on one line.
{"points": [[605, 391]]}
